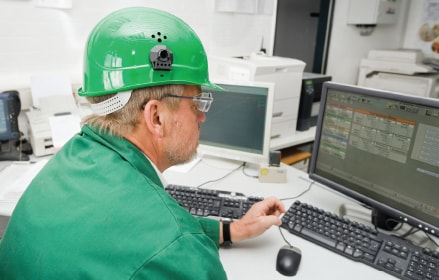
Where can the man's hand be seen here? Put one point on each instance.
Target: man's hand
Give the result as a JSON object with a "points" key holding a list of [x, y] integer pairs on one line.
{"points": [[260, 217]]}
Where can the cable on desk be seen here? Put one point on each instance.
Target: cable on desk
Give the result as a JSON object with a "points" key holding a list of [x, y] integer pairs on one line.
{"points": [[411, 231], [294, 197], [431, 239], [283, 237], [300, 194], [216, 180], [246, 174], [414, 230]]}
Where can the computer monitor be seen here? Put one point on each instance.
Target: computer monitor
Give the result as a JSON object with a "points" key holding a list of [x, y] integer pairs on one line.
{"points": [[382, 149], [9, 110], [238, 124]]}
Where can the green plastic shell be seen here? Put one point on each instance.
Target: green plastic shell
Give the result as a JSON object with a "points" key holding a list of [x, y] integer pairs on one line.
{"points": [[117, 54]]}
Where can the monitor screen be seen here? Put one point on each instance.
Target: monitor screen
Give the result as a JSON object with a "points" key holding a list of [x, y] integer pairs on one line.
{"points": [[9, 110], [3, 117], [382, 149], [238, 124]]}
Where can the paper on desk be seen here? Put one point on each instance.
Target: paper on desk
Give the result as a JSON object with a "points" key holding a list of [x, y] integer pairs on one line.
{"points": [[16, 178], [63, 128]]}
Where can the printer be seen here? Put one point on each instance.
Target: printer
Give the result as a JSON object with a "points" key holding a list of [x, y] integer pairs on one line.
{"points": [[285, 73], [400, 70], [309, 106], [39, 126]]}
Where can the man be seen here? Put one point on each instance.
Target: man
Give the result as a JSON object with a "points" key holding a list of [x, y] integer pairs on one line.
{"points": [[98, 209]]}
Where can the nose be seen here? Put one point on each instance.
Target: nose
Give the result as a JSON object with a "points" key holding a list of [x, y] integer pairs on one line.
{"points": [[201, 116]]}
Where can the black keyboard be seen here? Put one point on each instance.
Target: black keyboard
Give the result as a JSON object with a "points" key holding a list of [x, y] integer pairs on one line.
{"points": [[207, 202], [361, 243]]}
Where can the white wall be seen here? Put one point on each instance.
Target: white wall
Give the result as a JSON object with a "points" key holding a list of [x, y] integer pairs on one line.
{"points": [[413, 21], [420, 13], [347, 46], [37, 41]]}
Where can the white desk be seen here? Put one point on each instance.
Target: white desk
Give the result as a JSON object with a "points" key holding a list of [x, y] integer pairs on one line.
{"points": [[14, 178], [255, 258]]}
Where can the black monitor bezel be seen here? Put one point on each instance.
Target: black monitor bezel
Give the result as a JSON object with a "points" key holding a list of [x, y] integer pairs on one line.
{"points": [[393, 212]]}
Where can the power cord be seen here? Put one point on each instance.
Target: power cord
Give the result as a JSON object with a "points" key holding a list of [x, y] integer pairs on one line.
{"points": [[414, 230], [300, 194], [431, 239], [411, 231], [246, 174], [218, 179]]}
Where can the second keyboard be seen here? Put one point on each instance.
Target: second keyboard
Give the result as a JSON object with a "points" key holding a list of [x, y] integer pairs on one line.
{"points": [[208, 202]]}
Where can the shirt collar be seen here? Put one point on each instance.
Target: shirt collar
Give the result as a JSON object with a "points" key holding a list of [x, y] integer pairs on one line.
{"points": [[161, 177]]}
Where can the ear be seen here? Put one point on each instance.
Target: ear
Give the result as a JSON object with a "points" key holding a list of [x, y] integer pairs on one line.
{"points": [[152, 117]]}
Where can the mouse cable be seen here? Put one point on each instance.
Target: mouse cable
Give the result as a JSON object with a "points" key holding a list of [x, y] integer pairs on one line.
{"points": [[294, 197], [283, 237], [218, 179]]}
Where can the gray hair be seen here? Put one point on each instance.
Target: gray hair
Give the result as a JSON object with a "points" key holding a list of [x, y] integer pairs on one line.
{"points": [[124, 120]]}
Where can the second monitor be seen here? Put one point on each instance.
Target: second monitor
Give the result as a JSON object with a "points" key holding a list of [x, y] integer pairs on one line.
{"points": [[382, 149], [238, 124]]}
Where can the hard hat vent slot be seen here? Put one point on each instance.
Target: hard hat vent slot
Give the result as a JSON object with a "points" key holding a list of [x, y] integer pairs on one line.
{"points": [[159, 37]]}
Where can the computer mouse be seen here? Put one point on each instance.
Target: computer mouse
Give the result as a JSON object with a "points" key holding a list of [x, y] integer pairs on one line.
{"points": [[288, 260]]}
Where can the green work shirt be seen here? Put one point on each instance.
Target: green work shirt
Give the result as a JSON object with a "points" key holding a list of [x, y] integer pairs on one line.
{"points": [[98, 210]]}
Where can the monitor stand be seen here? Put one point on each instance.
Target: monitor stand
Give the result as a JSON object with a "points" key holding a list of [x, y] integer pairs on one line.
{"points": [[366, 216], [383, 220], [9, 152]]}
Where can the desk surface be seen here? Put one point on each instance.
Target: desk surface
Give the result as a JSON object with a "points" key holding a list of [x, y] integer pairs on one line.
{"points": [[255, 258]]}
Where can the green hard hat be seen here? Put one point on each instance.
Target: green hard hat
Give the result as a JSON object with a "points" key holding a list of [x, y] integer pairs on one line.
{"points": [[141, 47]]}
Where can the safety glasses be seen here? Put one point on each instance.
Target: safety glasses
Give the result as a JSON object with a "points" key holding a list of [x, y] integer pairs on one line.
{"points": [[203, 100]]}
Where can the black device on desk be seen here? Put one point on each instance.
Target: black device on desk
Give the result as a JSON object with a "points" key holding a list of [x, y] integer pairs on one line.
{"points": [[382, 149], [310, 95], [10, 107]]}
